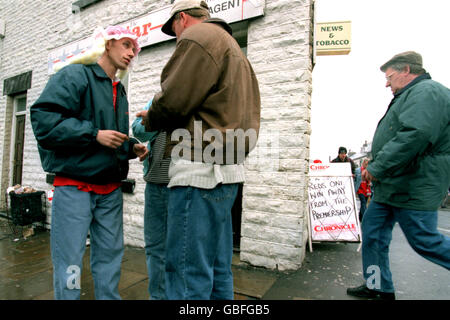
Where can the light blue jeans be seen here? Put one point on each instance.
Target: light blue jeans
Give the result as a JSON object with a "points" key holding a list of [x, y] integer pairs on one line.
{"points": [[155, 230], [200, 243], [74, 213], [420, 229]]}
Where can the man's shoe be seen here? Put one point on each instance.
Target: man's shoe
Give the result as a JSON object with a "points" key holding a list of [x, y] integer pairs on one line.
{"points": [[364, 292]]}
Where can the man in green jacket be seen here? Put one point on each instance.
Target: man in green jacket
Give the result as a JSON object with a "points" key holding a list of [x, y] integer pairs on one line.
{"points": [[410, 173], [81, 125]]}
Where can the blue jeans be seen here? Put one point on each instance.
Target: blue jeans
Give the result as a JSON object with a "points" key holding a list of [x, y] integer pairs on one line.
{"points": [[155, 230], [200, 243], [74, 213], [420, 229]]}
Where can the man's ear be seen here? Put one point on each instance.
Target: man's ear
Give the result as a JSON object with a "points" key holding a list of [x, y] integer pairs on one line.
{"points": [[407, 69], [108, 45], [183, 18]]}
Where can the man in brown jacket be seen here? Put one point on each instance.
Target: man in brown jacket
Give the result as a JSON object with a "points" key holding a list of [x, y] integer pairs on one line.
{"points": [[210, 99]]}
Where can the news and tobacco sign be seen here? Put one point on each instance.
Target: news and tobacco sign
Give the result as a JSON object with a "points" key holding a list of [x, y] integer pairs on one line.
{"points": [[148, 27], [332, 203], [333, 38]]}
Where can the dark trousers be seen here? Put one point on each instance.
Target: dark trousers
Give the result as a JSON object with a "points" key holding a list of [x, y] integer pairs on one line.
{"points": [[362, 209]]}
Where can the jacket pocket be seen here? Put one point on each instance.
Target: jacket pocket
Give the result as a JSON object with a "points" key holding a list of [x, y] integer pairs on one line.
{"points": [[220, 193]]}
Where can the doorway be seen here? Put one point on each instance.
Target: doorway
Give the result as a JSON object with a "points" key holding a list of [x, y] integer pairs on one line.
{"points": [[15, 90], [240, 33], [18, 138]]}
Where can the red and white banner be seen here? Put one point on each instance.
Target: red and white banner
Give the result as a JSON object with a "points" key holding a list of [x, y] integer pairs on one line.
{"points": [[148, 27], [332, 203]]}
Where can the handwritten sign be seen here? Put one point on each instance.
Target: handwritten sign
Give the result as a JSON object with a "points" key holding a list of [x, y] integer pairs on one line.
{"points": [[332, 203]]}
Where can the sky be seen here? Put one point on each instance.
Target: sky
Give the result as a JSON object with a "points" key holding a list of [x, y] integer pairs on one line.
{"points": [[349, 94]]}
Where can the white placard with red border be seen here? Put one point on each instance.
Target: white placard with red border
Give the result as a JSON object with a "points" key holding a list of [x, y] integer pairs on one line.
{"points": [[148, 26], [332, 203]]}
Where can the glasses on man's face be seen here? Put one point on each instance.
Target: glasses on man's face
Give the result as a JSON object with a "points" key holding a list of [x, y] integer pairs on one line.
{"points": [[388, 78]]}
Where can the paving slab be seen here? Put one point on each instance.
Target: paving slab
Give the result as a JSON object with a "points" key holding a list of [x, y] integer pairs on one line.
{"points": [[252, 283]]}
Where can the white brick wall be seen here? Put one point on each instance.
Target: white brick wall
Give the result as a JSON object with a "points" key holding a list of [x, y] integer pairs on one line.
{"points": [[275, 195], [274, 233]]}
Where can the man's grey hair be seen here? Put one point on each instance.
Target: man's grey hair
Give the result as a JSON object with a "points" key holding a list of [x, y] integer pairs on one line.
{"points": [[401, 60]]}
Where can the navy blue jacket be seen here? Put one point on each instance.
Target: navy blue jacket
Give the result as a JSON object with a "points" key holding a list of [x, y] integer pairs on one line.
{"points": [[76, 103]]}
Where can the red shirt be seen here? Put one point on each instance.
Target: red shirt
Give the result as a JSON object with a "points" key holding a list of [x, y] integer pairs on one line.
{"points": [[115, 93], [86, 187], [90, 187], [364, 187]]}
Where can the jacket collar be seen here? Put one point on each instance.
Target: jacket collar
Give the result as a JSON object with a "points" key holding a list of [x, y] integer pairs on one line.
{"points": [[99, 72], [221, 23], [422, 77]]}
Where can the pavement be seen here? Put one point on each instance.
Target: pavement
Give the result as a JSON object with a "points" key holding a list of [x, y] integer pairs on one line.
{"points": [[326, 273]]}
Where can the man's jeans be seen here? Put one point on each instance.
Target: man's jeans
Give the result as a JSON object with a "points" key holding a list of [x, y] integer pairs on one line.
{"points": [[74, 213], [420, 229], [200, 243], [155, 230]]}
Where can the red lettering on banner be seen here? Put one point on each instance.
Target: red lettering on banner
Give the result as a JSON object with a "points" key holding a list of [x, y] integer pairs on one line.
{"points": [[334, 227], [143, 30], [146, 27], [314, 167], [137, 31]]}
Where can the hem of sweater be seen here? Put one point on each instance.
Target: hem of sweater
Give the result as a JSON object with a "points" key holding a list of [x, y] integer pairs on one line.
{"points": [[229, 175]]}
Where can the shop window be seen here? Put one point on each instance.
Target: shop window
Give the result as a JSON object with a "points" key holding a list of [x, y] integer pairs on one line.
{"points": [[240, 33]]}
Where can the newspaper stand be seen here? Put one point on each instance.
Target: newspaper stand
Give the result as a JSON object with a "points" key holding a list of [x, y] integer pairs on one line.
{"points": [[27, 208], [332, 204]]}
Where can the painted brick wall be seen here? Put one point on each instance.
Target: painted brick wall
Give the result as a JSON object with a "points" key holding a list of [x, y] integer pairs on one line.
{"points": [[279, 47], [274, 231]]}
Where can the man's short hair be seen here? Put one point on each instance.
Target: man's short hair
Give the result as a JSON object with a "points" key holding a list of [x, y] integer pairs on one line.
{"points": [[401, 60], [342, 150], [195, 13]]}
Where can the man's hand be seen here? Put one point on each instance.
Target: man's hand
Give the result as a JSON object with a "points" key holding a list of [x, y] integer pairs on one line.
{"points": [[366, 175], [110, 138], [141, 151], [143, 115]]}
